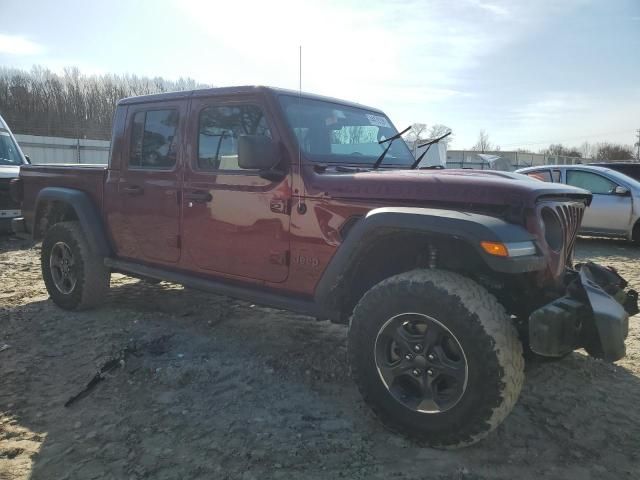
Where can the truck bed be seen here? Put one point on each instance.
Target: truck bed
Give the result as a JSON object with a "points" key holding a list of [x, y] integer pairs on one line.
{"points": [[87, 178]]}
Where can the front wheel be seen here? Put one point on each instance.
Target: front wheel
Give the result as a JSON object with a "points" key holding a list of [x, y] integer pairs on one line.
{"points": [[435, 357], [76, 278]]}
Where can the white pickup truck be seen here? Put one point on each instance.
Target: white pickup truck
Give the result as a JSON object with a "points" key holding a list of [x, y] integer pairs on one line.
{"points": [[11, 158]]}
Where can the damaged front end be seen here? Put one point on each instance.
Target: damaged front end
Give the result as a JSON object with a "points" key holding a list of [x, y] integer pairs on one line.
{"points": [[594, 314]]}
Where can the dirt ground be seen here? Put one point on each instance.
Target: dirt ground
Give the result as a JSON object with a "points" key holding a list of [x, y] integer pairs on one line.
{"points": [[215, 388]]}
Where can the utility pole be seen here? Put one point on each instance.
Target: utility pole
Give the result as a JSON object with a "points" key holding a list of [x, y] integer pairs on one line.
{"points": [[638, 145]]}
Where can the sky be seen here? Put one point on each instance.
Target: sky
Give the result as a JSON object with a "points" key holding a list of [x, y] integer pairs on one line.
{"points": [[529, 73]]}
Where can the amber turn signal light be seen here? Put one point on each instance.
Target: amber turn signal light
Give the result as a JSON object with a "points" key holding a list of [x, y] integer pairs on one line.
{"points": [[495, 248]]}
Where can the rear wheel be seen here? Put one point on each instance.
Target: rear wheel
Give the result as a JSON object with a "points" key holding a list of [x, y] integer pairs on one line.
{"points": [[435, 357], [75, 278]]}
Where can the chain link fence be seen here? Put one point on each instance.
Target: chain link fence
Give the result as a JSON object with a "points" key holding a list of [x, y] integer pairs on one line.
{"points": [[82, 130], [47, 150], [506, 161]]}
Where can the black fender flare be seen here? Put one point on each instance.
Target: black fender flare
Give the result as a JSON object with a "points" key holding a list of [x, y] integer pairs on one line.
{"points": [[88, 214], [472, 228]]}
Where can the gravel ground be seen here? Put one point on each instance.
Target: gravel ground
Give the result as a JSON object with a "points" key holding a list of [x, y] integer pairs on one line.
{"points": [[209, 388]]}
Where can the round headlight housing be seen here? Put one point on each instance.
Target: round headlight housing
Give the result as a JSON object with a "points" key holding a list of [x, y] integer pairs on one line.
{"points": [[553, 231]]}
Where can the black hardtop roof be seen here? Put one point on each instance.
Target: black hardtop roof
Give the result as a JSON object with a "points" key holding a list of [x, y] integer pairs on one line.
{"points": [[240, 90]]}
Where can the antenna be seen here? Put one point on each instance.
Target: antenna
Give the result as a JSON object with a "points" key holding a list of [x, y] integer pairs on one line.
{"points": [[299, 106], [300, 71], [302, 207]]}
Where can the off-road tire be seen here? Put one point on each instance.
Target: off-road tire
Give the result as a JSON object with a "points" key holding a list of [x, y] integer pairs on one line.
{"points": [[93, 277], [485, 333]]}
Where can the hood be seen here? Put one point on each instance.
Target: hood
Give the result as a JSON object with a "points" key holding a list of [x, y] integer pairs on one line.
{"points": [[464, 187], [9, 171]]}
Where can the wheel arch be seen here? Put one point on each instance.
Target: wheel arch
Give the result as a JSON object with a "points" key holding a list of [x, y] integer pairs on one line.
{"points": [[55, 205], [389, 241]]}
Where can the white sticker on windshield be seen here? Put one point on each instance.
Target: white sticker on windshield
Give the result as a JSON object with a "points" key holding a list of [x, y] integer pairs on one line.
{"points": [[378, 121]]}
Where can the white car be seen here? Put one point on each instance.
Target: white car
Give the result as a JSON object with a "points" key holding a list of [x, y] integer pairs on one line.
{"points": [[615, 208], [11, 158]]}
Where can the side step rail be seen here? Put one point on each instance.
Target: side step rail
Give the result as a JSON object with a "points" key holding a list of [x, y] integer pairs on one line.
{"points": [[254, 295]]}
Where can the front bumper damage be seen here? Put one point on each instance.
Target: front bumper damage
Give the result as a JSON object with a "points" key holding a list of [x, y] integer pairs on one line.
{"points": [[594, 314]]}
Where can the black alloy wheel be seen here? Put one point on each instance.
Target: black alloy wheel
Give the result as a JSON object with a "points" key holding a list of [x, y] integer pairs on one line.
{"points": [[421, 363]]}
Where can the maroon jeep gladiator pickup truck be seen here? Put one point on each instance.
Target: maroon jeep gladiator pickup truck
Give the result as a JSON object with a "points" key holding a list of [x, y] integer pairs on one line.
{"points": [[316, 205]]}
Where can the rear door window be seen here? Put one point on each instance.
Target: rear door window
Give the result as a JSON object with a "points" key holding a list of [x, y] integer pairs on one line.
{"points": [[154, 140], [542, 175]]}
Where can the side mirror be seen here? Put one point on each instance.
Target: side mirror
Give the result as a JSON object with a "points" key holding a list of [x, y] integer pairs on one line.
{"points": [[622, 191], [28, 159], [256, 152]]}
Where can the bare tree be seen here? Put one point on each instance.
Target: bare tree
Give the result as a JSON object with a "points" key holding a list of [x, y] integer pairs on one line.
{"points": [[587, 150], [483, 144], [561, 150], [612, 151], [71, 104], [438, 130], [417, 133], [420, 132]]}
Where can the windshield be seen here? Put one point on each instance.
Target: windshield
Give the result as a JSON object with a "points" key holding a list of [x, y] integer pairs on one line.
{"points": [[9, 154], [623, 178], [334, 133]]}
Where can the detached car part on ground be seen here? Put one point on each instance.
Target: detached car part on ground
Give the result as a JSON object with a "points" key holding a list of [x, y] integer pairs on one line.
{"points": [[445, 277]]}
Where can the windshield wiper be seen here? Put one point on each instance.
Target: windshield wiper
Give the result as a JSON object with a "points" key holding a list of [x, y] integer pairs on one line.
{"points": [[390, 141], [428, 145]]}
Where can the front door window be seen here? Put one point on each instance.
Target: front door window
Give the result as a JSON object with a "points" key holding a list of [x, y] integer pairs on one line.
{"points": [[590, 181], [219, 129]]}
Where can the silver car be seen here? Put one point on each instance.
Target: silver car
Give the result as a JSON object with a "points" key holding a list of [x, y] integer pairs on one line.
{"points": [[615, 209]]}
